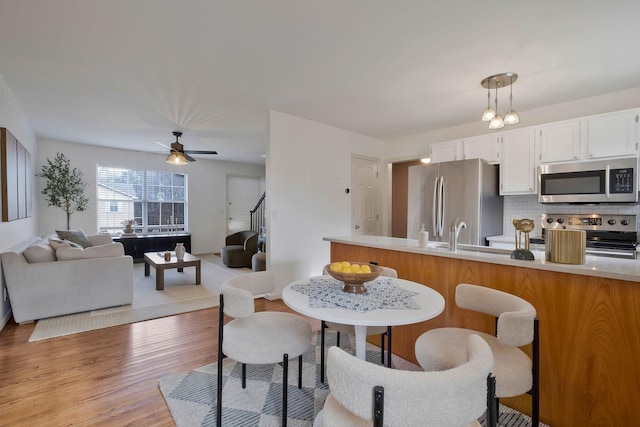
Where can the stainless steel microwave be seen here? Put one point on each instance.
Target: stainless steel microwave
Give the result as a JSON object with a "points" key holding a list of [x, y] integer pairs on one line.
{"points": [[602, 181]]}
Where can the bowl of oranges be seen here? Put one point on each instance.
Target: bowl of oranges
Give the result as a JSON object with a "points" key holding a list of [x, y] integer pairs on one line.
{"points": [[353, 274]]}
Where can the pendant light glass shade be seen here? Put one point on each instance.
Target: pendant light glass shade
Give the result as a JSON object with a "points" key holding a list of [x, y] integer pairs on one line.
{"points": [[176, 158], [492, 115], [496, 122], [511, 118]]}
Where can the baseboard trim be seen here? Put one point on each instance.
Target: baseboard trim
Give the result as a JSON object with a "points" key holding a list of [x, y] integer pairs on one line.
{"points": [[5, 320]]}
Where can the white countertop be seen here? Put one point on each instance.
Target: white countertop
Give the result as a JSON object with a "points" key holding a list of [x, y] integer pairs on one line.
{"points": [[613, 268]]}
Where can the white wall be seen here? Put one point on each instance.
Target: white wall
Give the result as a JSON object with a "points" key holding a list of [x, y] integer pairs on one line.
{"points": [[308, 169], [12, 118], [417, 146], [206, 195]]}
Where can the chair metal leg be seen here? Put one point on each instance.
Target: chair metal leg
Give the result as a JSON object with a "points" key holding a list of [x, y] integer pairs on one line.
{"points": [[535, 372], [338, 339], [492, 406], [285, 382], [244, 375], [219, 385], [300, 371], [389, 353], [323, 325], [382, 348], [378, 406]]}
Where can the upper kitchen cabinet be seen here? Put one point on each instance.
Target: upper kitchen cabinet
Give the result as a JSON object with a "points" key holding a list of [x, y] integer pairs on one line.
{"points": [[518, 166], [485, 147], [613, 134], [560, 141], [446, 151]]}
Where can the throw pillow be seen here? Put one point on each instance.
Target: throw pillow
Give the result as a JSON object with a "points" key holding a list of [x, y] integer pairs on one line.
{"points": [[76, 236], [40, 252], [56, 243]]}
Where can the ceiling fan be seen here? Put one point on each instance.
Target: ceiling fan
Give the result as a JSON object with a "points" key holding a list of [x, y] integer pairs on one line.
{"points": [[180, 156]]}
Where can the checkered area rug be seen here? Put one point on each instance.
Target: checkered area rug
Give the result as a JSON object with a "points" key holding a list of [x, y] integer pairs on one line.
{"points": [[191, 396]]}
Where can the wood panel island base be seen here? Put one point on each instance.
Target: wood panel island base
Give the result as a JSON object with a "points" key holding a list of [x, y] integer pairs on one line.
{"points": [[589, 321]]}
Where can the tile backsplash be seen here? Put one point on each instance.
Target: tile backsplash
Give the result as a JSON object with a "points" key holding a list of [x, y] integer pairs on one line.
{"points": [[518, 207]]}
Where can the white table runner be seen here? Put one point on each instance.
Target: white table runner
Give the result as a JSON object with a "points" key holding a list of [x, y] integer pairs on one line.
{"points": [[382, 293]]}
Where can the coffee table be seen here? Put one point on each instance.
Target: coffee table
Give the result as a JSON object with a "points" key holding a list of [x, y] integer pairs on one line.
{"points": [[156, 259]]}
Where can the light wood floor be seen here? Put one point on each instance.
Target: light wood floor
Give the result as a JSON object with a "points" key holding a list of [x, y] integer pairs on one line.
{"points": [[105, 377]]}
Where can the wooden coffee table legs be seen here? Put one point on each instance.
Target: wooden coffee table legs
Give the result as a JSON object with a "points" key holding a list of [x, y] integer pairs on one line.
{"points": [[160, 268]]}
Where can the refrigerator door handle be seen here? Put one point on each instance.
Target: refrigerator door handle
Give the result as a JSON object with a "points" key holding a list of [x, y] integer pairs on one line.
{"points": [[442, 206], [436, 224]]}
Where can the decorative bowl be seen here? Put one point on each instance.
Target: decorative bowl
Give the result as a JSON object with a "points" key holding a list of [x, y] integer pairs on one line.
{"points": [[354, 282]]}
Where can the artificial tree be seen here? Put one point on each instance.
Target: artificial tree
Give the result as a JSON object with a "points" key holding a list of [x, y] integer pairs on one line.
{"points": [[65, 186]]}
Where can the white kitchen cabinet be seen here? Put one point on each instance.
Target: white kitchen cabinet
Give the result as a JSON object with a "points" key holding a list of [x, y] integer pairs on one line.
{"points": [[560, 141], [485, 147], [446, 151], [613, 134], [518, 166]]}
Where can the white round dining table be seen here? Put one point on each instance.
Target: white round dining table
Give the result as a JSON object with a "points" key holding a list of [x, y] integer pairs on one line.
{"points": [[429, 301]]}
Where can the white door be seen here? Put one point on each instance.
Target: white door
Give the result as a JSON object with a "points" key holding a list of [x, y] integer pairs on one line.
{"points": [[364, 197], [242, 195]]}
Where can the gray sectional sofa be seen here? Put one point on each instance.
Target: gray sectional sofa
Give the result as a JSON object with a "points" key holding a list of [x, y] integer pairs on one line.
{"points": [[43, 281]]}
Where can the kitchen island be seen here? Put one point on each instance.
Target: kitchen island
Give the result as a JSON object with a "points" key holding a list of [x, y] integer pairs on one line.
{"points": [[589, 319]]}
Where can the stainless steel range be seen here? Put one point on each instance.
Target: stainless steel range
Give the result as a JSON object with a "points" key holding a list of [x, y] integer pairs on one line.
{"points": [[607, 235]]}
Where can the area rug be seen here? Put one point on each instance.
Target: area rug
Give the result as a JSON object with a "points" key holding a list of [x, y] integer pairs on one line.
{"points": [[191, 396], [180, 295]]}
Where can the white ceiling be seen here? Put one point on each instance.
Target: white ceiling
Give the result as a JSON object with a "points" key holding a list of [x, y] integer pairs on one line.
{"points": [[125, 73]]}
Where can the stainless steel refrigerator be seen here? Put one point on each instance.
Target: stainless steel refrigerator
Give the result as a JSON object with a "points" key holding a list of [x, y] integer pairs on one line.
{"points": [[467, 190]]}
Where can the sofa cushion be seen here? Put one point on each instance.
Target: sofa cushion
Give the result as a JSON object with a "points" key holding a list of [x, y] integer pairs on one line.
{"points": [[76, 236], [67, 253], [100, 239], [40, 252]]}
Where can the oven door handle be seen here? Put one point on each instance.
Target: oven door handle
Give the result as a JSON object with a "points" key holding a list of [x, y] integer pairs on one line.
{"points": [[611, 253]]}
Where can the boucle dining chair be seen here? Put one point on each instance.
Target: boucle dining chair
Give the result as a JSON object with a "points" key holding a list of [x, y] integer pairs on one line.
{"points": [[265, 337], [365, 394], [516, 326], [350, 330]]}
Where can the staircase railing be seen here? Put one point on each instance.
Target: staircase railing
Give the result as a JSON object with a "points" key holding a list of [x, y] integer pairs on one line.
{"points": [[257, 214]]}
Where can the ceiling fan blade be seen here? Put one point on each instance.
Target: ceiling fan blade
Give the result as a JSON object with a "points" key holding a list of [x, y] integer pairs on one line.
{"points": [[188, 157], [200, 152], [162, 145]]}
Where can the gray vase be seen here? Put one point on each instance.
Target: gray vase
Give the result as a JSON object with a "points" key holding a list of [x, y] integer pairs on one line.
{"points": [[180, 250]]}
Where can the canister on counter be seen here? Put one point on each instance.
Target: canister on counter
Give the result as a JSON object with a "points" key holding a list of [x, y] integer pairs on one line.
{"points": [[565, 246]]}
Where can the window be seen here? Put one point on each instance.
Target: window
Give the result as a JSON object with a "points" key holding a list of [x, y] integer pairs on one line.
{"points": [[155, 200]]}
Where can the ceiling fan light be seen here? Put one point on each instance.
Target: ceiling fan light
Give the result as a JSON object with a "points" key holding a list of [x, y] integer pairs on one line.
{"points": [[511, 118], [176, 158], [496, 122]]}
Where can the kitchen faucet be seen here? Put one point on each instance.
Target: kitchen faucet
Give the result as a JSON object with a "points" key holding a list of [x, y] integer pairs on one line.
{"points": [[454, 231]]}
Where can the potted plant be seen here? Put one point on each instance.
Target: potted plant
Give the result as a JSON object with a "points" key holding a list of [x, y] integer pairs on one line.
{"points": [[65, 188]]}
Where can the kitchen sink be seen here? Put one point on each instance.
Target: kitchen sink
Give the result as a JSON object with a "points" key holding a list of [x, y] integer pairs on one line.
{"points": [[470, 248]]}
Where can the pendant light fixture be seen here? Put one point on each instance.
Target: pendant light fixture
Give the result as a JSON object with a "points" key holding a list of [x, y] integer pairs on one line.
{"points": [[493, 116], [488, 114], [496, 122], [511, 117]]}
